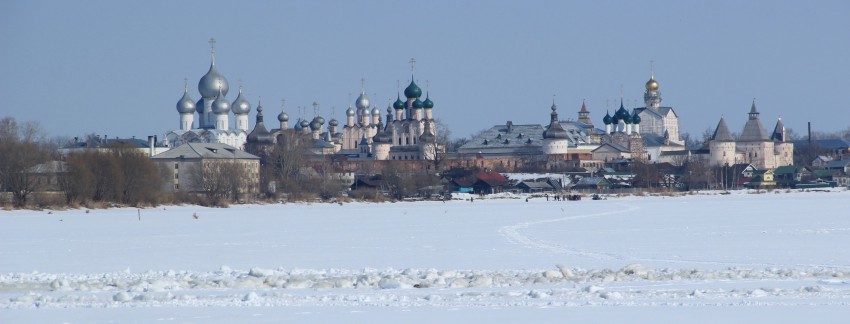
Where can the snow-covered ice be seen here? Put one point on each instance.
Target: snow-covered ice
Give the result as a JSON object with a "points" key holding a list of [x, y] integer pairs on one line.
{"points": [[769, 257]]}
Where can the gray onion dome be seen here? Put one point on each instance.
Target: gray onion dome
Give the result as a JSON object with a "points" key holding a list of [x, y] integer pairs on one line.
{"points": [[282, 117], [381, 136], [376, 111], [349, 111], [220, 105], [362, 102], [320, 119], [316, 124], [240, 106], [333, 122], [212, 82], [298, 126], [555, 131], [304, 123], [186, 105]]}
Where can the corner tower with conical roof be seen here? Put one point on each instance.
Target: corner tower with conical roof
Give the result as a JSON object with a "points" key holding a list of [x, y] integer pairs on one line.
{"points": [[721, 146], [555, 137]]}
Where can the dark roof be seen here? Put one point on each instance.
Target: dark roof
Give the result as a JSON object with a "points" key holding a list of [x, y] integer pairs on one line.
{"points": [[753, 131], [617, 147], [789, 169], [101, 142], [535, 184], [722, 133]]}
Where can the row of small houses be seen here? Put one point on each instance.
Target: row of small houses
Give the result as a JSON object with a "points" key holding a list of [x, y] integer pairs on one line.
{"points": [[485, 181]]}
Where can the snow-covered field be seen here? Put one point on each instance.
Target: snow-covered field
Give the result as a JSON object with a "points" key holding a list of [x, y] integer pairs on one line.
{"points": [[777, 257]]}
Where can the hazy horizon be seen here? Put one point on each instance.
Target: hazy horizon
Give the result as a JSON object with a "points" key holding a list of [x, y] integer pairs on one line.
{"points": [[117, 68]]}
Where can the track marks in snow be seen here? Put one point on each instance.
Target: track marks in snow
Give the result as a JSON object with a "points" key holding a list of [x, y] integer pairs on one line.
{"points": [[514, 234]]}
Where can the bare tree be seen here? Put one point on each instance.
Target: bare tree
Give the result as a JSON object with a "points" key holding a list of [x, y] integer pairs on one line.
{"points": [[142, 178], [20, 152], [284, 160], [221, 180]]}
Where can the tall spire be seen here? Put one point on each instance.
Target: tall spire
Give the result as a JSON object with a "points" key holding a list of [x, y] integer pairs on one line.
{"points": [[754, 114], [651, 70], [212, 50]]}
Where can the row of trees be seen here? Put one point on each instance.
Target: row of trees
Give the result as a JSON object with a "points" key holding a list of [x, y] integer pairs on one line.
{"points": [[29, 164]]}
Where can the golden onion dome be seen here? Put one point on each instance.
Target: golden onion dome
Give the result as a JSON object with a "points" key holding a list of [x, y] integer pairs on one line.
{"points": [[652, 85]]}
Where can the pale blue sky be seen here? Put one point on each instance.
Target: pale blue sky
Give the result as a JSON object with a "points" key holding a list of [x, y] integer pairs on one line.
{"points": [[117, 67]]}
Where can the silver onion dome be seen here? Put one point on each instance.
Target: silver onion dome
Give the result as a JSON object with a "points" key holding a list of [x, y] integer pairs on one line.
{"points": [[211, 82], [240, 106], [320, 119], [349, 111], [316, 124], [283, 116], [220, 105], [333, 122], [376, 111], [362, 102], [186, 105], [304, 123]]}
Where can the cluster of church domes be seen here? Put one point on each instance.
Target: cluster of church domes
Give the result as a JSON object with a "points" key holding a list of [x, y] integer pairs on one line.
{"points": [[213, 86], [621, 114], [414, 92]]}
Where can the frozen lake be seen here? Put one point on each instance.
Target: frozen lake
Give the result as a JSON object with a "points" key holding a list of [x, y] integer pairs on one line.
{"points": [[779, 257]]}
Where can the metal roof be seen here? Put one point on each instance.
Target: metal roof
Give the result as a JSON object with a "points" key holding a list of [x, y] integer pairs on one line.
{"points": [[205, 151]]}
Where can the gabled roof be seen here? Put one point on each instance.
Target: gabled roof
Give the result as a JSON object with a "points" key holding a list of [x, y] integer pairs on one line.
{"points": [[591, 181], [824, 158], [610, 146], [492, 178], [205, 151], [535, 185], [49, 167], [790, 169], [837, 164], [655, 140]]}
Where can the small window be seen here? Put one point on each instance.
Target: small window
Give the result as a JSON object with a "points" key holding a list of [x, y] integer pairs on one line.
{"points": [[176, 166]]}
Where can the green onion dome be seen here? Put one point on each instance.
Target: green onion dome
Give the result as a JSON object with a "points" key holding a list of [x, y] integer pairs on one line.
{"points": [[412, 90]]}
